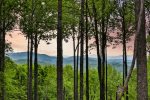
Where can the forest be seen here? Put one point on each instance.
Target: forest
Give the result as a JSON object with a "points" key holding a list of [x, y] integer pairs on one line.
{"points": [[91, 26]]}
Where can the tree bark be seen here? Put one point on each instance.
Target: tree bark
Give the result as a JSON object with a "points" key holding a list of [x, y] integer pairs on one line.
{"points": [[77, 70], [2, 63], [125, 70], [87, 56], [97, 42], [139, 23], [28, 65], [35, 68], [59, 54], [102, 92], [142, 84], [75, 66], [82, 49]]}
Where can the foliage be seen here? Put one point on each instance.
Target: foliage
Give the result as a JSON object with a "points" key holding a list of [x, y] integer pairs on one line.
{"points": [[16, 82]]}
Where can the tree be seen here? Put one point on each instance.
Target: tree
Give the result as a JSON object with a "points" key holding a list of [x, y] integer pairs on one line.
{"points": [[81, 48], [142, 85], [96, 34], [8, 11], [59, 54], [87, 56], [139, 56], [43, 24]]}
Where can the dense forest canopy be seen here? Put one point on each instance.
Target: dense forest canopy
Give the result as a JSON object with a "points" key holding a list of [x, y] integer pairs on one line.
{"points": [[107, 23]]}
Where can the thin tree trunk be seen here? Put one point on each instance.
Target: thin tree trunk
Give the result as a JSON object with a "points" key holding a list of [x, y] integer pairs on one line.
{"points": [[97, 42], [106, 75], [59, 54], [74, 63], [30, 94], [102, 92], [35, 68], [82, 49], [2, 64], [2, 53], [77, 71], [28, 66], [87, 60], [124, 50], [30, 69]]}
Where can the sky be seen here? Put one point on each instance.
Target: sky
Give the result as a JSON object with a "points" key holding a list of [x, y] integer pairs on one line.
{"points": [[19, 44]]}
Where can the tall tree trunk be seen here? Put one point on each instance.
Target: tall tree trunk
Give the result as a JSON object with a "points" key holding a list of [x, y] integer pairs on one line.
{"points": [[30, 94], [102, 92], [125, 70], [2, 62], [82, 49], [87, 60], [142, 85], [74, 63], [106, 75], [2, 52], [28, 65], [97, 42], [77, 97], [59, 54], [30, 69], [35, 68]]}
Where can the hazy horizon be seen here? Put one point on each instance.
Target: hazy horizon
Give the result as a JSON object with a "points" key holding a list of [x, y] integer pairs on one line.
{"points": [[19, 44]]}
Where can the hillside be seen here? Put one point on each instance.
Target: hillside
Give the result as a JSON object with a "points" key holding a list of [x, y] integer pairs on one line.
{"points": [[21, 58]]}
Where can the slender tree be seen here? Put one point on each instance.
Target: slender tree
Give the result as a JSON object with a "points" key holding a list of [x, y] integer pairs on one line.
{"points": [[2, 51], [87, 56], [124, 47], [36, 67], [102, 95], [30, 93], [74, 63], [97, 41], [59, 54], [81, 48], [7, 22]]}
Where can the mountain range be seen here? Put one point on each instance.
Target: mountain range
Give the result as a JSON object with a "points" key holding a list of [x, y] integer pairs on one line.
{"points": [[21, 58]]}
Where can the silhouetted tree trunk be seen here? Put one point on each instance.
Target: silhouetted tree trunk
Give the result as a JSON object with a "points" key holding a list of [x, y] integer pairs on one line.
{"points": [[75, 66], [30, 69], [35, 67], [106, 75], [77, 70], [2, 53], [59, 54], [2, 61], [142, 85], [81, 49], [102, 92], [124, 48], [28, 64], [30, 94], [87, 60], [97, 42]]}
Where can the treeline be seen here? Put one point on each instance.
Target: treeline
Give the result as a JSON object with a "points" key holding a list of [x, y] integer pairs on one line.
{"points": [[106, 22], [16, 79]]}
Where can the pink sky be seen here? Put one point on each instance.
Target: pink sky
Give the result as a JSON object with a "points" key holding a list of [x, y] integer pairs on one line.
{"points": [[19, 44]]}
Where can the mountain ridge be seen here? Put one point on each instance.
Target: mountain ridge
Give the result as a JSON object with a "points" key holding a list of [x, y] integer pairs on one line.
{"points": [[21, 58]]}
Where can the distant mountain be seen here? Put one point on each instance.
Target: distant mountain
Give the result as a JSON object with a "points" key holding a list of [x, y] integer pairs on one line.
{"points": [[21, 58]]}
